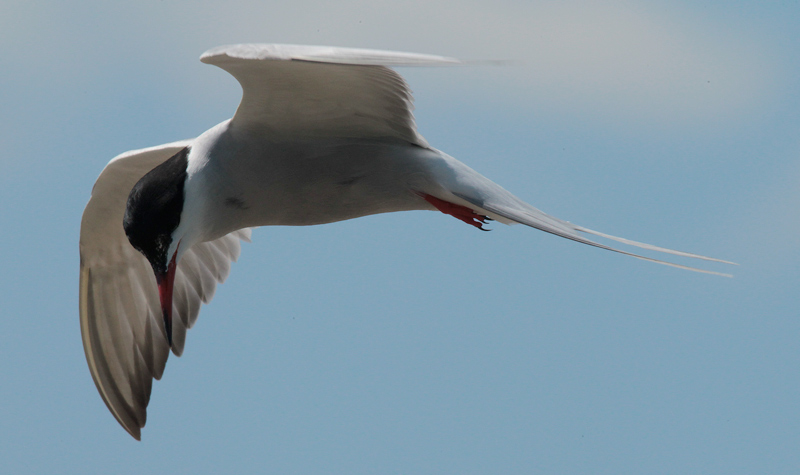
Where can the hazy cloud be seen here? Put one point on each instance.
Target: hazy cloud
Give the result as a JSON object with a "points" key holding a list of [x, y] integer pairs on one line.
{"points": [[613, 59], [626, 60]]}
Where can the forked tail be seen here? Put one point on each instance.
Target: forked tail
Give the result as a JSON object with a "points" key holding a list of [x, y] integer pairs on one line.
{"points": [[526, 214], [462, 192]]}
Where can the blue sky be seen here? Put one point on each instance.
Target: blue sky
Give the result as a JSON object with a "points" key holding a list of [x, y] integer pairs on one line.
{"points": [[411, 343]]}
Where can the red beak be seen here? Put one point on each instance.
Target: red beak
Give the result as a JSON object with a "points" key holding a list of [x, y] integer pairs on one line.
{"points": [[165, 283]]}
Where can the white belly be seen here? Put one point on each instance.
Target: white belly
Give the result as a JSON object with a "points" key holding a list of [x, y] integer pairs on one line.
{"points": [[313, 182]]}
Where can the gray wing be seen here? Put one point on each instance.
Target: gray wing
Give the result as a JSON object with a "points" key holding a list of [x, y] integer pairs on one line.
{"points": [[121, 322], [318, 91]]}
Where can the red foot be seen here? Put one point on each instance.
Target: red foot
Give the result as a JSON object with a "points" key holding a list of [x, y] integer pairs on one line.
{"points": [[457, 211]]}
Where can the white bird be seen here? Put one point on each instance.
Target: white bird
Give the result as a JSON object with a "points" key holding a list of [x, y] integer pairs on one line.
{"points": [[321, 135]]}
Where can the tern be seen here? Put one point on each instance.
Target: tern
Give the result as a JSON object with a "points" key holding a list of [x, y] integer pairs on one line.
{"points": [[322, 134]]}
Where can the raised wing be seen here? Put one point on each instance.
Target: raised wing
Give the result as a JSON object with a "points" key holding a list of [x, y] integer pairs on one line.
{"points": [[121, 321], [318, 91]]}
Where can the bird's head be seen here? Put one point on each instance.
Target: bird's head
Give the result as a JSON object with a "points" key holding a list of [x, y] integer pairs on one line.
{"points": [[152, 217]]}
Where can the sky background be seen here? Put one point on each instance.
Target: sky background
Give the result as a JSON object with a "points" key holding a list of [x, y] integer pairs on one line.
{"points": [[410, 342]]}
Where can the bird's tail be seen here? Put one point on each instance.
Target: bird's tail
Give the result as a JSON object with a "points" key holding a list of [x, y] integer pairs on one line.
{"points": [[474, 191], [535, 218]]}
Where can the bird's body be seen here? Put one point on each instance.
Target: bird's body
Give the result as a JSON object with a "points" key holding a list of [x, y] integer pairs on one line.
{"points": [[321, 135], [261, 181]]}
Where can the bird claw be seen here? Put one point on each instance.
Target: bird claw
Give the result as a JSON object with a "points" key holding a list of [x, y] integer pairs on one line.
{"points": [[460, 212]]}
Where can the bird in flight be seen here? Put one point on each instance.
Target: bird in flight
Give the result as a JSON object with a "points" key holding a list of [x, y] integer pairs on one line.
{"points": [[322, 134]]}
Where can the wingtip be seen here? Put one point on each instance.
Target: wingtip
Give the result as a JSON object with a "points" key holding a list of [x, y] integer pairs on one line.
{"points": [[136, 433]]}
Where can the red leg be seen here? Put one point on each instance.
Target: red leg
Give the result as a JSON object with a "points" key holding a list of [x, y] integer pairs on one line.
{"points": [[457, 211]]}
